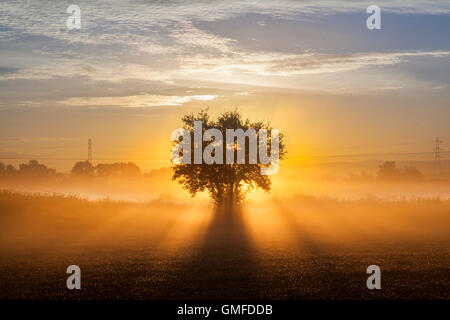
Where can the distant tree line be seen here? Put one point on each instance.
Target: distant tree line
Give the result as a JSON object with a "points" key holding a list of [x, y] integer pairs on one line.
{"points": [[389, 172], [32, 169], [35, 170], [105, 170]]}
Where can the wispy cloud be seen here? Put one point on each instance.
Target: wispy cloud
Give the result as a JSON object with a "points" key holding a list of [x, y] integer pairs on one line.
{"points": [[163, 41], [36, 139], [276, 64], [137, 22], [144, 100]]}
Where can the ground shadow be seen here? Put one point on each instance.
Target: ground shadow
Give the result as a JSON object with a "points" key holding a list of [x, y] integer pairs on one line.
{"points": [[320, 273], [222, 266], [303, 238]]}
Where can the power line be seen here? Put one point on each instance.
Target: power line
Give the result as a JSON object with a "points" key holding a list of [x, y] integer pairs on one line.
{"points": [[288, 158], [79, 159], [363, 154], [417, 142]]}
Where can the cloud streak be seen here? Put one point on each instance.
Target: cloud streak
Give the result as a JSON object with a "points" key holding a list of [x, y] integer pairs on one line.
{"points": [[162, 41], [144, 100]]}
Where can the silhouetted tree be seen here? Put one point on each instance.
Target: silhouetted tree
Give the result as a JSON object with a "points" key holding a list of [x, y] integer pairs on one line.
{"points": [[34, 169], [412, 174], [123, 170], [2, 169], [10, 170], [388, 172], [226, 183], [82, 169]]}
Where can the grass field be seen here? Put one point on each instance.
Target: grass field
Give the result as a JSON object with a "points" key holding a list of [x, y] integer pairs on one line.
{"points": [[296, 248]]}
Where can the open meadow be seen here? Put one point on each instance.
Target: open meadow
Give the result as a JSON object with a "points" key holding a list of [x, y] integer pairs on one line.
{"points": [[298, 247]]}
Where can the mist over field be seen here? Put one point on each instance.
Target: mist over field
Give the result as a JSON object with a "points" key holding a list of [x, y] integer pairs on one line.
{"points": [[296, 247], [340, 181]]}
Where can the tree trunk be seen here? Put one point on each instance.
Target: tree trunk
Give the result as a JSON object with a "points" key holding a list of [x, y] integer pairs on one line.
{"points": [[229, 198], [220, 195]]}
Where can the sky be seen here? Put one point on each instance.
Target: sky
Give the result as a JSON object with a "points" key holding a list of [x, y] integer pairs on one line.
{"points": [[339, 91]]}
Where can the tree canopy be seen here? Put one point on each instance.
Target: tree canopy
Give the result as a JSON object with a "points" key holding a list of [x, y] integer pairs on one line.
{"points": [[82, 169], [226, 183]]}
